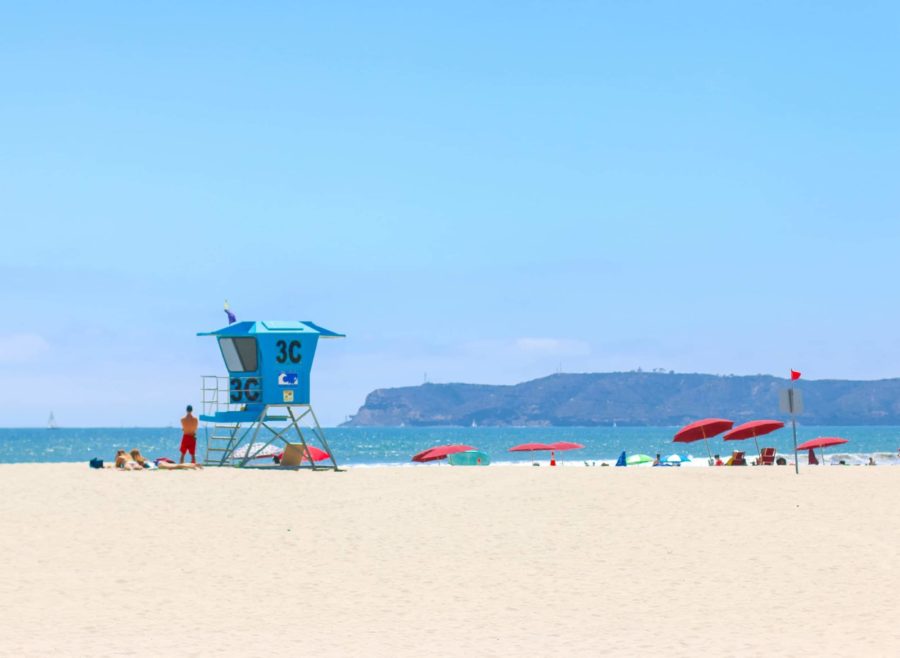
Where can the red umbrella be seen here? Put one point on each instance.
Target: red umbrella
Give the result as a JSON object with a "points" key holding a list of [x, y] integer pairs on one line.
{"points": [[531, 447], [566, 445], [526, 447], [439, 452], [752, 430], [317, 454], [821, 442], [703, 429]]}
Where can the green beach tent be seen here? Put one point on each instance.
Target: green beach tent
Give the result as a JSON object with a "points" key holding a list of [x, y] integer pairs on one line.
{"points": [[469, 458]]}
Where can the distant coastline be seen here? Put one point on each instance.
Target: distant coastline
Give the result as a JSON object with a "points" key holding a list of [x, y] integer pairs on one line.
{"points": [[643, 399]]}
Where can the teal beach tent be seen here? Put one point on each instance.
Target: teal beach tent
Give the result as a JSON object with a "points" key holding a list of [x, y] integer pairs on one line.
{"points": [[469, 458], [622, 461]]}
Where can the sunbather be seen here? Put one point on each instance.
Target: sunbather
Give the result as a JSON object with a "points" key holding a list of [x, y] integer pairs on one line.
{"points": [[135, 461], [140, 459], [165, 466], [125, 462]]}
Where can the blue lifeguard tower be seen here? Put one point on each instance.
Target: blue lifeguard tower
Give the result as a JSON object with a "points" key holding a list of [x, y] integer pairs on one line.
{"points": [[265, 399]]}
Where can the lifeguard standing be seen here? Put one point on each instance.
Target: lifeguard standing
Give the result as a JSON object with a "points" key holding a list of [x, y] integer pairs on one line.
{"points": [[189, 425]]}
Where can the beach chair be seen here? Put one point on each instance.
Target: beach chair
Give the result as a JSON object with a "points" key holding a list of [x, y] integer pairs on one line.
{"points": [[767, 457], [737, 459], [292, 455]]}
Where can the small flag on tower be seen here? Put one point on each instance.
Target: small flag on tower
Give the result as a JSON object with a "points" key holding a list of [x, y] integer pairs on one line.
{"points": [[795, 375], [232, 319]]}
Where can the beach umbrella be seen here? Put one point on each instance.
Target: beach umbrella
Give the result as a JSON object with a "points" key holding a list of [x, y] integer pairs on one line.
{"points": [[752, 430], [439, 452], [566, 445], [703, 429], [528, 447], [317, 454], [531, 447], [821, 442], [634, 460], [257, 450]]}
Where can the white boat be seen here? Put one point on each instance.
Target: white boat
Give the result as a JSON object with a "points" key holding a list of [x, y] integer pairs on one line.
{"points": [[51, 422]]}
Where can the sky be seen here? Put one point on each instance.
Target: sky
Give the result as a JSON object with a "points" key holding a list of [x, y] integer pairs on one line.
{"points": [[472, 192]]}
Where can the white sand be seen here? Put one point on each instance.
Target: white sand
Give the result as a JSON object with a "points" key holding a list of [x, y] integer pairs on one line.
{"points": [[442, 561]]}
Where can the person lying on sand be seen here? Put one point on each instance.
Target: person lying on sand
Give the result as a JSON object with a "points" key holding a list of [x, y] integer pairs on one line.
{"points": [[165, 466], [135, 461], [140, 459], [125, 462]]}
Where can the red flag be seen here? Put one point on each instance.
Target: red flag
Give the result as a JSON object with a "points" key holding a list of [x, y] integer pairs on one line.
{"points": [[794, 375]]}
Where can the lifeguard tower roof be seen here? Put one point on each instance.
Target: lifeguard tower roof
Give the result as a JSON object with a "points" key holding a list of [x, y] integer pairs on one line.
{"points": [[273, 327]]}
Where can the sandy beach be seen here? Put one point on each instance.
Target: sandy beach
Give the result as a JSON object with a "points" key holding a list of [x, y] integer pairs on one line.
{"points": [[441, 561]]}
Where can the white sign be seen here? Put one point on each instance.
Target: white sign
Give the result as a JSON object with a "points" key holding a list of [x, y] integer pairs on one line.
{"points": [[791, 401]]}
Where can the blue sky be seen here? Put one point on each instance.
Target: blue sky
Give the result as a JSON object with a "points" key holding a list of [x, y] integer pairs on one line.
{"points": [[484, 192]]}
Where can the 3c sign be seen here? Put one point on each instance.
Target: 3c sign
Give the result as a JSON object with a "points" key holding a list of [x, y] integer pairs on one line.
{"points": [[249, 389], [288, 351]]}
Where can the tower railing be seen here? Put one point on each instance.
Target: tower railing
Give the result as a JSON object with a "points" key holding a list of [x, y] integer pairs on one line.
{"points": [[228, 393]]}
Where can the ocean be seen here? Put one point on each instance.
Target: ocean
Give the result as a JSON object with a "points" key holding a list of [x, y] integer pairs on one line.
{"points": [[395, 446]]}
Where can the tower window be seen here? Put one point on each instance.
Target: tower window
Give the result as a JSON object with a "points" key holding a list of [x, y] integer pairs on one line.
{"points": [[239, 354]]}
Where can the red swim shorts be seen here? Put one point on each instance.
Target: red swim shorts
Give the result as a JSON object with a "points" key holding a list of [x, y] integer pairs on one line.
{"points": [[188, 444]]}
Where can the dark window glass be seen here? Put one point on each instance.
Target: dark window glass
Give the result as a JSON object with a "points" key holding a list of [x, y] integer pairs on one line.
{"points": [[239, 354]]}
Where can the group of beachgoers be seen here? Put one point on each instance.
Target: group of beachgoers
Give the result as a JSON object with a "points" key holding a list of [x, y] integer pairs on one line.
{"points": [[133, 460]]}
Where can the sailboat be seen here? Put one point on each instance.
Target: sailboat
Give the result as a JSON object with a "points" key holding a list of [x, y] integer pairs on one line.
{"points": [[51, 422]]}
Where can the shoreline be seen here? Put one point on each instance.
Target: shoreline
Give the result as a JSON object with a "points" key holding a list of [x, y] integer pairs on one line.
{"points": [[883, 458]]}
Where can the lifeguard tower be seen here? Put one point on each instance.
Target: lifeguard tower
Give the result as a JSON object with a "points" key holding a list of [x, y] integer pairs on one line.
{"points": [[264, 401]]}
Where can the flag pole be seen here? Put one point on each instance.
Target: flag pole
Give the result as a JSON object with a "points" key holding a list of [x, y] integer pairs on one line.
{"points": [[794, 426]]}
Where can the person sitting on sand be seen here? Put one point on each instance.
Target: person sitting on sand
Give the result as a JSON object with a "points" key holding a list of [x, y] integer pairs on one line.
{"points": [[871, 462], [657, 460], [719, 461]]}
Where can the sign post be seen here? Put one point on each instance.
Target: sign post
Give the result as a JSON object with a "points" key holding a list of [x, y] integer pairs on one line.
{"points": [[791, 402]]}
